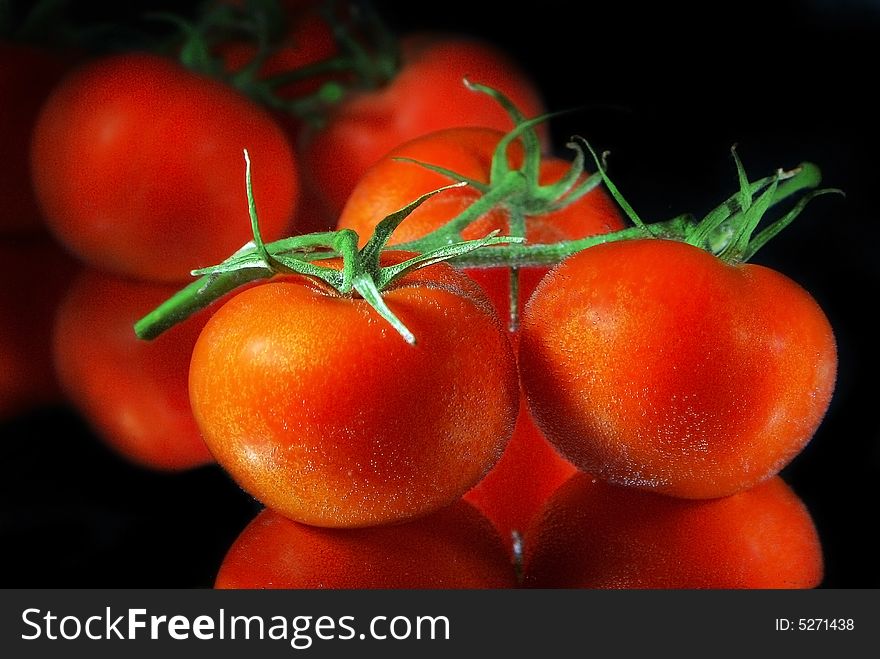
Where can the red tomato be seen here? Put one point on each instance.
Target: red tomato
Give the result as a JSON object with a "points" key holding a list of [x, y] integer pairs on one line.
{"points": [[27, 75], [529, 471], [426, 95], [138, 166], [308, 40], [134, 393], [318, 408], [35, 274], [595, 535], [455, 547], [655, 364], [391, 184]]}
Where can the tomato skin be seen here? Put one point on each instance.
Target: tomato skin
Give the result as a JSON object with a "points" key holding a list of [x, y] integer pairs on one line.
{"points": [[390, 184], [35, 273], [134, 393], [595, 535], [27, 75], [454, 547], [654, 364], [426, 95], [527, 474], [319, 409], [138, 166]]}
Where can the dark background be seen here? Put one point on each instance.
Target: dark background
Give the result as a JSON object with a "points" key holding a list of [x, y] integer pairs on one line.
{"points": [[667, 89]]}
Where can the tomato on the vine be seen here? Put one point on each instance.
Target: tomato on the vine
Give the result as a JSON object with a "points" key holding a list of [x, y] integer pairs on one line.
{"points": [[319, 409], [455, 547], [530, 469], [133, 393], [655, 364], [138, 164], [426, 94], [391, 183], [595, 535]]}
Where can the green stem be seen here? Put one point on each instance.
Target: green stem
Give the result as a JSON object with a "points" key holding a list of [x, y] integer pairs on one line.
{"points": [[522, 256], [192, 299]]}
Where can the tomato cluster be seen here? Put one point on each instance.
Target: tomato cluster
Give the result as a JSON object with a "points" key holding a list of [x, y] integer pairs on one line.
{"points": [[604, 412]]}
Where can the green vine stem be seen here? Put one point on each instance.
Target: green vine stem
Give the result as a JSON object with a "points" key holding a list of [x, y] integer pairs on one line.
{"points": [[361, 273], [728, 231]]}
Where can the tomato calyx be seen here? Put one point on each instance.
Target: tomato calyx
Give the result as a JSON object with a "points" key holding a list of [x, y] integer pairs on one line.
{"points": [[729, 230], [361, 274]]}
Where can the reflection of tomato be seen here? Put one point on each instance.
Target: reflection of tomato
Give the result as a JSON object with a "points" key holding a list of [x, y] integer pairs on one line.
{"points": [[455, 547], [138, 166], [655, 364], [307, 40], [35, 275], [319, 409], [27, 75], [426, 95], [528, 472], [595, 535], [133, 392]]}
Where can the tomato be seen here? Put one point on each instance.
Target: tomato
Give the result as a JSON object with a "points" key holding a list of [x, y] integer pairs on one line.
{"points": [[655, 364], [390, 184], [308, 39], [426, 95], [595, 535], [134, 393], [35, 274], [318, 408], [455, 547], [139, 169], [27, 75], [530, 469]]}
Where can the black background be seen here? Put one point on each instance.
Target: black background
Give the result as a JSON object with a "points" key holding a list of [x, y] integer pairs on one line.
{"points": [[667, 89]]}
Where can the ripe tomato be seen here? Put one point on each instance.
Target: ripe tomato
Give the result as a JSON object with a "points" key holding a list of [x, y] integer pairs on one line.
{"points": [[426, 95], [134, 393], [319, 409], [455, 547], [390, 184], [27, 75], [308, 39], [595, 535], [35, 275], [655, 364], [529, 471], [138, 166]]}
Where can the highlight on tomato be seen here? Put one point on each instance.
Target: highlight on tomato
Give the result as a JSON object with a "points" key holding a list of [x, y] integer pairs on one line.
{"points": [[665, 365], [592, 534], [136, 163], [134, 394], [454, 547]]}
